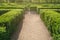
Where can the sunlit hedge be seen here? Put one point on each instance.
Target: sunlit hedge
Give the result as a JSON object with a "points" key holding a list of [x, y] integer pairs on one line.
{"points": [[52, 21], [9, 22]]}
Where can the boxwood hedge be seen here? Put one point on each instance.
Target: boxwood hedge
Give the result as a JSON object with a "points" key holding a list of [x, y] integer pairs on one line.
{"points": [[9, 22], [52, 21]]}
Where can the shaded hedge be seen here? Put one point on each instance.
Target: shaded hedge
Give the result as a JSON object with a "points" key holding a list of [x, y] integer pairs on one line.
{"points": [[3, 11]]}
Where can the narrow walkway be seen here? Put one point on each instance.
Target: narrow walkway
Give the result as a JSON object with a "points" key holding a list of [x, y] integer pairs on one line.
{"points": [[33, 28]]}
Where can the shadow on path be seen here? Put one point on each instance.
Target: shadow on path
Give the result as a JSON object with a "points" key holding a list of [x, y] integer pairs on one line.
{"points": [[17, 32]]}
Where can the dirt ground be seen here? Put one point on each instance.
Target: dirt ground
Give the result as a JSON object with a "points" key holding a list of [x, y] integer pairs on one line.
{"points": [[33, 28]]}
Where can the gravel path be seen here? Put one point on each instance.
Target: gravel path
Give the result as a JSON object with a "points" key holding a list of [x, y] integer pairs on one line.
{"points": [[33, 28]]}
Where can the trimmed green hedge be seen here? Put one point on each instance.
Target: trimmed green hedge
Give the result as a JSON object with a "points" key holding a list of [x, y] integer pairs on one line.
{"points": [[52, 21], [12, 6], [9, 22], [51, 5]]}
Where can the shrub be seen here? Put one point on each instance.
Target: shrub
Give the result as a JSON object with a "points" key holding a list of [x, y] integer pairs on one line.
{"points": [[9, 22], [52, 21]]}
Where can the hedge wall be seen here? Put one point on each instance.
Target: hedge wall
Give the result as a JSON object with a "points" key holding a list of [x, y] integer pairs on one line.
{"points": [[12, 6], [9, 22], [52, 21]]}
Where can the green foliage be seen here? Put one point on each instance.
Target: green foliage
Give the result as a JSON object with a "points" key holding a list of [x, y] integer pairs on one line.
{"points": [[11, 6], [2, 29], [3, 11], [52, 21], [51, 5], [9, 22]]}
